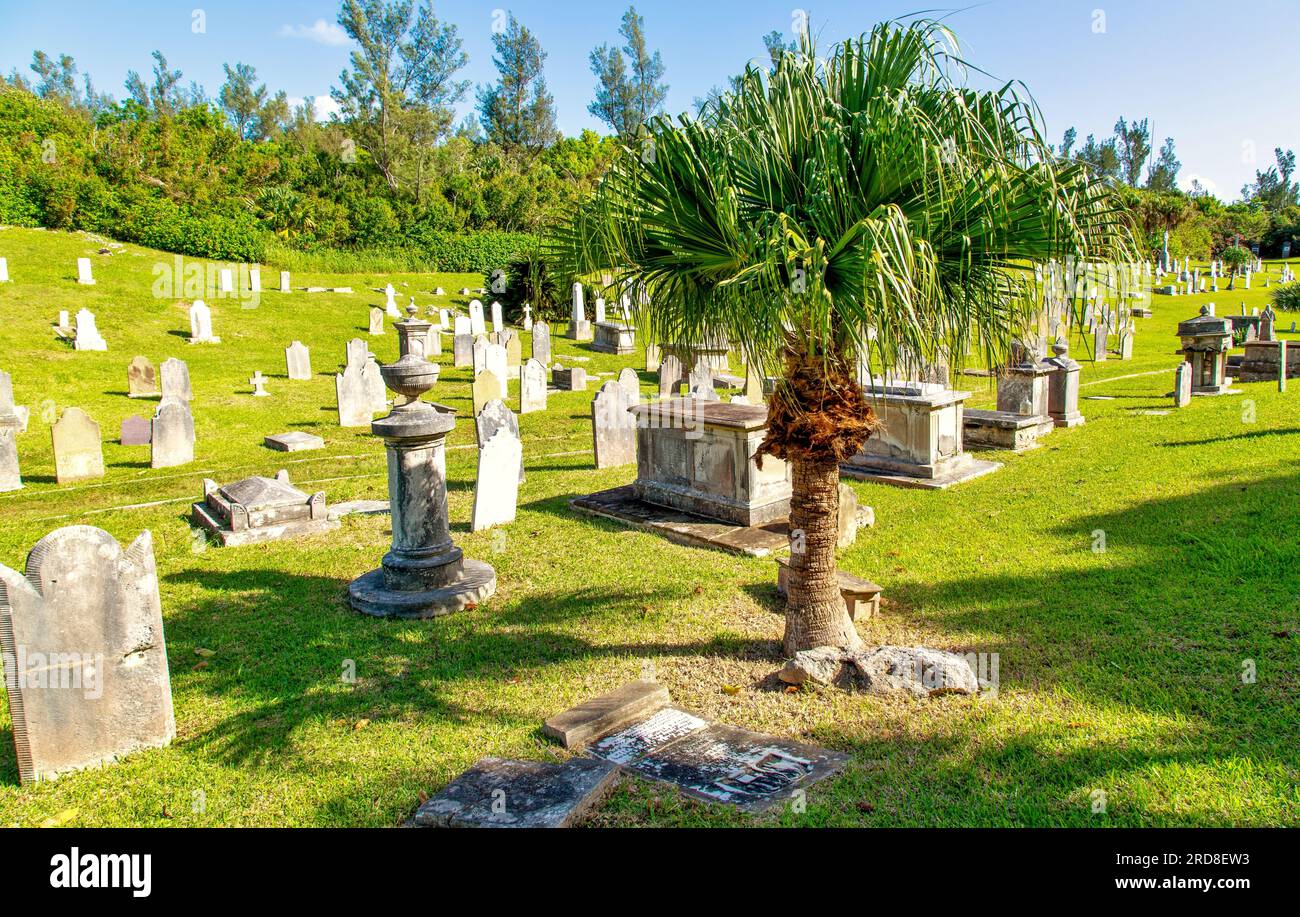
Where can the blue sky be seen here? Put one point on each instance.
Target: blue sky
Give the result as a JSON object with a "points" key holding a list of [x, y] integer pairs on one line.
{"points": [[1216, 83]]}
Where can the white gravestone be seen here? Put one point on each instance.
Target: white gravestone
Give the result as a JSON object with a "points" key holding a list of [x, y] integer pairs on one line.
{"points": [[476, 325], [297, 359], [175, 375], [85, 276], [496, 488], [201, 324], [88, 336]]}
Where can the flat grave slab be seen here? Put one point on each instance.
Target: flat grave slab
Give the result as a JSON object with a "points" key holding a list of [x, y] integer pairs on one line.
{"points": [[959, 474], [496, 793], [613, 710], [295, 441], [622, 504]]}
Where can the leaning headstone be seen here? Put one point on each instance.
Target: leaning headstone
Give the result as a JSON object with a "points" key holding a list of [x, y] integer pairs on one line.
{"points": [[10, 476], [496, 487], [542, 343], [201, 324], [613, 426], [297, 359], [532, 387], [85, 658], [136, 431], [376, 320], [78, 449], [88, 336], [141, 378], [84, 274], [670, 377], [172, 436], [1183, 385], [487, 386], [176, 380]]}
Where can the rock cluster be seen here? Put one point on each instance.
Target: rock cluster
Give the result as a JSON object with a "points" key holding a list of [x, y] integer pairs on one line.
{"points": [[884, 670]]}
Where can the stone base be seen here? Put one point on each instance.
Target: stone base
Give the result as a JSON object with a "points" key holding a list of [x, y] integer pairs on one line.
{"points": [[1074, 420], [579, 331], [956, 470], [623, 505], [369, 595], [1004, 430], [203, 517], [1215, 392]]}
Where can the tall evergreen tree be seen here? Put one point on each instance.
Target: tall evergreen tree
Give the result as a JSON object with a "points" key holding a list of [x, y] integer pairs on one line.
{"points": [[1133, 146], [630, 86], [518, 112], [1164, 173]]}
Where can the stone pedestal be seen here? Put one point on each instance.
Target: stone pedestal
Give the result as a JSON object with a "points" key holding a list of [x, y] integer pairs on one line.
{"points": [[698, 456], [615, 338], [424, 574], [1063, 387], [920, 442], [1022, 413]]}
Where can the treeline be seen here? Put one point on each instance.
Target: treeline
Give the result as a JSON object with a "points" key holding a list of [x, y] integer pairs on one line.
{"points": [[246, 176], [1200, 226]]}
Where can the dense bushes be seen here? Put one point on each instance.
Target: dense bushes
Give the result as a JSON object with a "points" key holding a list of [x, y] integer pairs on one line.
{"points": [[1286, 297]]}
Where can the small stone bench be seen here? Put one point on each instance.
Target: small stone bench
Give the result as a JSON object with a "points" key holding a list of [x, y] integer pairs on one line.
{"points": [[861, 596]]}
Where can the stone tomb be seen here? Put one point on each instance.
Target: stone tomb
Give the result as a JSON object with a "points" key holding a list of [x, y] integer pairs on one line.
{"points": [[260, 509], [1021, 418], [1206, 340], [636, 729], [614, 337], [920, 441], [1063, 386], [141, 379], [86, 662], [78, 449], [1262, 362]]}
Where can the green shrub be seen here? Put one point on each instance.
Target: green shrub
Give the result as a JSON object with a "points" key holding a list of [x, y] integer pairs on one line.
{"points": [[528, 279], [1286, 297]]}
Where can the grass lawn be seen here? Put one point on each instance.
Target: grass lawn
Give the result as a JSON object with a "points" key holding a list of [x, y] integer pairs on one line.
{"points": [[1120, 672]]}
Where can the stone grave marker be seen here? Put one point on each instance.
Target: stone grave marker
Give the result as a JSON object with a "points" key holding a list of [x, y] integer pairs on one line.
{"points": [[176, 379], [462, 350], [495, 360], [390, 302], [88, 336], [514, 353], [539, 794], [201, 324], [487, 386], [354, 394], [375, 384], [4, 270], [652, 358], [260, 509], [496, 488], [141, 378], [172, 435], [284, 282], [255, 280], [532, 387], [569, 380], [297, 360], [78, 449], [294, 441], [10, 476], [700, 381], [528, 317], [579, 327], [497, 324], [541, 348], [496, 416], [1183, 385], [85, 276], [476, 325], [628, 378], [600, 310], [258, 382], [136, 431], [376, 321], [226, 281], [95, 608], [670, 377], [613, 426], [479, 353]]}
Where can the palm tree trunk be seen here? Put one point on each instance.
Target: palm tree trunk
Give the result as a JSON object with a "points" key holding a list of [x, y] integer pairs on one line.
{"points": [[815, 612]]}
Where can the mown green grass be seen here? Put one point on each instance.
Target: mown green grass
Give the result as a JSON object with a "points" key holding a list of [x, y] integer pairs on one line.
{"points": [[1119, 671]]}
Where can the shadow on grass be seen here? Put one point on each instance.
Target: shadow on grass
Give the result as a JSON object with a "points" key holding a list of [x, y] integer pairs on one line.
{"points": [[284, 643], [1217, 440]]}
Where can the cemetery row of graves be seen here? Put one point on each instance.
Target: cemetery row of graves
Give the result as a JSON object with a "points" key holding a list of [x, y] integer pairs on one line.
{"points": [[402, 553]]}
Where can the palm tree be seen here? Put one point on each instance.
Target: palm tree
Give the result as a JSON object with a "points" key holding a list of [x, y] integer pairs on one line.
{"points": [[827, 211]]}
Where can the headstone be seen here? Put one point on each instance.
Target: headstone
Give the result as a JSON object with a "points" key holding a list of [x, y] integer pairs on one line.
{"points": [[532, 387], [255, 280], [1282, 368], [528, 317], [297, 359], [462, 325], [374, 380], [600, 310], [652, 358], [444, 320], [569, 380], [88, 337], [628, 378], [514, 353], [78, 449], [1183, 385], [226, 281], [201, 324], [462, 349], [376, 320], [136, 431], [172, 436], [753, 385], [355, 397], [390, 302], [258, 382], [613, 426], [579, 327], [542, 343], [293, 441], [86, 662], [176, 380], [141, 378], [10, 476], [670, 377], [494, 360], [496, 488], [487, 386], [497, 324], [479, 353], [476, 325], [4, 270], [84, 274], [284, 282], [9, 416], [700, 380]]}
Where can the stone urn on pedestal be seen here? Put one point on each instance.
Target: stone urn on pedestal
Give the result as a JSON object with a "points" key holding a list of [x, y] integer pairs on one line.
{"points": [[424, 574]]}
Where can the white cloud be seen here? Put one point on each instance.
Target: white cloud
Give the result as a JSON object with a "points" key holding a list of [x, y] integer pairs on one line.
{"points": [[320, 31], [1208, 184], [323, 107]]}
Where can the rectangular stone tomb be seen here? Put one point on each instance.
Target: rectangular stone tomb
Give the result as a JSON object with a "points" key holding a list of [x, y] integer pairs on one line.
{"points": [[920, 442], [1262, 362], [1004, 429], [294, 441], [496, 793], [260, 509], [615, 338], [717, 763], [698, 456]]}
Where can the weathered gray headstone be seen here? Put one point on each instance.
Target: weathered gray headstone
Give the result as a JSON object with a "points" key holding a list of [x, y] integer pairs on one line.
{"points": [[78, 449], [532, 387], [141, 378], [670, 377], [176, 380], [10, 415], [613, 426], [297, 359], [487, 386], [1183, 385], [496, 793], [496, 416], [136, 431], [462, 351], [85, 660], [355, 398], [172, 436], [628, 378], [376, 320], [375, 384], [542, 343], [10, 476]]}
